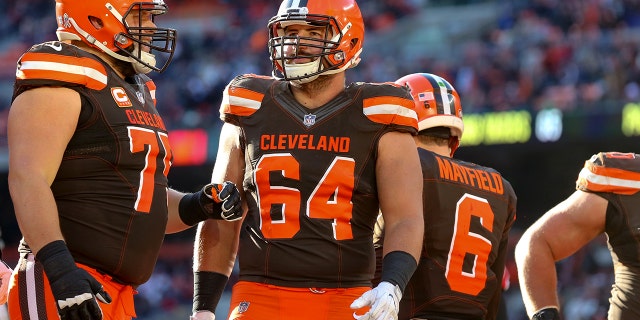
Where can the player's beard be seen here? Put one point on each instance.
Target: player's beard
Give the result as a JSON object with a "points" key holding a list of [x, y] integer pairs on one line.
{"points": [[125, 68], [316, 85]]}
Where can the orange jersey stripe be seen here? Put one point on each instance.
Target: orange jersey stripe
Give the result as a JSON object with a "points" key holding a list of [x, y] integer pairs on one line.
{"points": [[601, 179], [613, 172], [78, 70], [240, 101], [391, 110], [152, 90]]}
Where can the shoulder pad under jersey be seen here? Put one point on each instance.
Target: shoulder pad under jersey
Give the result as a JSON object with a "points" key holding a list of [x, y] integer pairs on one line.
{"points": [[244, 94], [58, 63], [613, 172], [388, 103]]}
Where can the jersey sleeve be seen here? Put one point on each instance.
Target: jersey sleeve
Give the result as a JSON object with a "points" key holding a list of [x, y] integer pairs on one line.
{"points": [[59, 64], [611, 172], [243, 96], [392, 105]]}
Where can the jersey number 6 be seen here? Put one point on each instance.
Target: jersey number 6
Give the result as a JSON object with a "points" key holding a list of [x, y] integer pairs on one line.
{"points": [[467, 242]]}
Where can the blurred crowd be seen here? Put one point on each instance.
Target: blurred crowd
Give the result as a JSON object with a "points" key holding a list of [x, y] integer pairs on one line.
{"points": [[574, 55]]}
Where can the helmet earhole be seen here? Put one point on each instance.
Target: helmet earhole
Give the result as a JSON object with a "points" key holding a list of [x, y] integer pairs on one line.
{"points": [[354, 42], [96, 22]]}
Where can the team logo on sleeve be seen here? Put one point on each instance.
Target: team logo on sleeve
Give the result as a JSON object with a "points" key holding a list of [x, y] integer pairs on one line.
{"points": [[120, 97], [309, 120]]}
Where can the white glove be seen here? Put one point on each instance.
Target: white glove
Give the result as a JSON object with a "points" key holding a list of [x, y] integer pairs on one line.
{"points": [[203, 315], [384, 301], [5, 276]]}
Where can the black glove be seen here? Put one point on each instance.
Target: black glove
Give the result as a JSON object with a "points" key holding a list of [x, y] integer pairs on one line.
{"points": [[214, 201], [73, 288], [227, 194]]}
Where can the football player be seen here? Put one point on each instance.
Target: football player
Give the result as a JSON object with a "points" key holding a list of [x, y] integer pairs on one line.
{"points": [[606, 201], [316, 157], [89, 156], [468, 212]]}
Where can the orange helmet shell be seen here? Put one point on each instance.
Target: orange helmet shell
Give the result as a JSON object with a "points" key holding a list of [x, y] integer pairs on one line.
{"points": [[111, 34], [80, 11], [437, 102]]}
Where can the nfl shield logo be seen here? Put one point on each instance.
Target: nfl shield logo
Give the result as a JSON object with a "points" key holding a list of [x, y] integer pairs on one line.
{"points": [[243, 306], [309, 120]]}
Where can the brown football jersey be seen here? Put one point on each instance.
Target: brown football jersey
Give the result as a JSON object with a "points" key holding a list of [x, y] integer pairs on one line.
{"points": [[616, 177], [310, 179], [111, 187], [468, 212]]}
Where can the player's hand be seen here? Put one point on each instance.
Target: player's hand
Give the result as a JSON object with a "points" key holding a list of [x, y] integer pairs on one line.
{"points": [[227, 196], [5, 276], [219, 201], [384, 301], [76, 293], [74, 290], [203, 315]]}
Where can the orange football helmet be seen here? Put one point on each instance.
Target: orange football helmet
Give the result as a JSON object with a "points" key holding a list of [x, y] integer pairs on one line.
{"points": [[102, 25], [341, 47], [437, 104]]}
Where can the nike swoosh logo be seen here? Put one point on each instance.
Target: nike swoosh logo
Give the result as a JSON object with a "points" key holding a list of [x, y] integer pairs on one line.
{"points": [[56, 47]]}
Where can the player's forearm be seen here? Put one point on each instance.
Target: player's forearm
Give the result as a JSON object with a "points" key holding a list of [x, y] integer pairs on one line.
{"points": [[174, 223], [406, 235], [36, 211], [214, 256], [537, 275], [216, 246]]}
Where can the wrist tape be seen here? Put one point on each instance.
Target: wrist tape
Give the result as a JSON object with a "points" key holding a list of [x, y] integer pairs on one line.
{"points": [[207, 290], [398, 267], [549, 313], [190, 208], [56, 259]]}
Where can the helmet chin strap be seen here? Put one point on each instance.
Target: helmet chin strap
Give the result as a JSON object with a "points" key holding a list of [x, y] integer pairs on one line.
{"points": [[139, 67]]}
